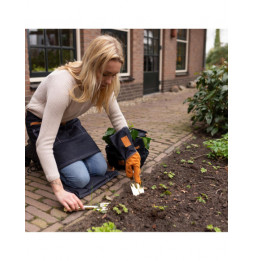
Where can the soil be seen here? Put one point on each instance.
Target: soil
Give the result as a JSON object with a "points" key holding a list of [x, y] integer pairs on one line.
{"points": [[180, 210]]}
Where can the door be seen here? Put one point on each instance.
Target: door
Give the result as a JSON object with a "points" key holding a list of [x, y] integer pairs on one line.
{"points": [[151, 60]]}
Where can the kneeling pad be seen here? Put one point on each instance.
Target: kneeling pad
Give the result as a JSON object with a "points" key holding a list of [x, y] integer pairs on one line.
{"points": [[95, 183]]}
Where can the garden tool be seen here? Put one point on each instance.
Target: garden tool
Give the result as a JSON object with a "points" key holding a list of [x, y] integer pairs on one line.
{"points": [[101, 207], [137, 189], [122, 140]]}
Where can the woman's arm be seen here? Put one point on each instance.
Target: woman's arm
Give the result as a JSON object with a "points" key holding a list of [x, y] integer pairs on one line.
{"points": [[69, 200]]}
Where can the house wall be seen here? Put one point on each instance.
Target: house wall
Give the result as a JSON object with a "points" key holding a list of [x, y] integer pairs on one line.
{"points": [[132, 87]]}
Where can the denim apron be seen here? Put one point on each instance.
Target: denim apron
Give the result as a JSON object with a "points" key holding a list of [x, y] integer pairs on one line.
{"points": [[72, 141]]}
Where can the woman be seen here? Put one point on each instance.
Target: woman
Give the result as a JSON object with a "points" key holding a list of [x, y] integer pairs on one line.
{"points": [[66, 151]]}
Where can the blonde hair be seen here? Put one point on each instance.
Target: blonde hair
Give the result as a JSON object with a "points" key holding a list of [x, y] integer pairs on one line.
{"points": [[101, 50]]}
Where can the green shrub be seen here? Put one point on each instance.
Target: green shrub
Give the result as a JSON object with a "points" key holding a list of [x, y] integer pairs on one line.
{"points": [[218, 147], [106, 227], [210, 103]]}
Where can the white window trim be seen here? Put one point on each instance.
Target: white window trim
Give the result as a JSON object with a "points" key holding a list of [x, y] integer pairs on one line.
{"points": [[128, 51], [78, 56], [187, 47]]}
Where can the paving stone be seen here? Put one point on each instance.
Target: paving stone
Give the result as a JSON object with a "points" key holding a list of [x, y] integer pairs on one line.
{"points": [[28, 216], [58, 213], [119, 184], [31, 228], [72, 217], [53, 228], [37, 204], [39, 222], [41, 214], [32, 195]]}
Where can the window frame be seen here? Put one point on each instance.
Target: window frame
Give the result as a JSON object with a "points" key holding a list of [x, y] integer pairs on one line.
{"points": [[187, 52], [77, 47], [128, 50]]}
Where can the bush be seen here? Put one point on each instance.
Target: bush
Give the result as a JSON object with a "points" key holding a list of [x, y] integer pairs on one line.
{"points": [[218, 147], [210, 103]]}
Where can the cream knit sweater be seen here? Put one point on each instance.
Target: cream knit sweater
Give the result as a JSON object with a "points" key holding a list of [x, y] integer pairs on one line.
{"points": [[52, 102]]}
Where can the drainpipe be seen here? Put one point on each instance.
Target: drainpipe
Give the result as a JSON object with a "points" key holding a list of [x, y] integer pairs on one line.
{"points": [[204, 50]]}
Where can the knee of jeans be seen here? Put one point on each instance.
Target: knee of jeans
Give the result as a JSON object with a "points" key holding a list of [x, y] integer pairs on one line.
{"points": [[81, 181], [102, 168]]}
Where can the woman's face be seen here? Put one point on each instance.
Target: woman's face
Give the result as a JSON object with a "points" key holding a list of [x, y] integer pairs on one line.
{"points": [[111, 70]]}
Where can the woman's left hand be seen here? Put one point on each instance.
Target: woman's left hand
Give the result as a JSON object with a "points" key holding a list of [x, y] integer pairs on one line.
{"points": [[133, 167]]}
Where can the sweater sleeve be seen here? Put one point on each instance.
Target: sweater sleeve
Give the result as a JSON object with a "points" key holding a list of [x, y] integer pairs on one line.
{"points": [[115, 115], [56, 103]]}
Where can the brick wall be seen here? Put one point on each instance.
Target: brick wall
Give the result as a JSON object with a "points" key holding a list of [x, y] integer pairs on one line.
{"points": [[195, 58], [134, 88]]}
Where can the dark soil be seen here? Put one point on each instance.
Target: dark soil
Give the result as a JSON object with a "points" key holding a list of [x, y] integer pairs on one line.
{"points": [[182, 210]]}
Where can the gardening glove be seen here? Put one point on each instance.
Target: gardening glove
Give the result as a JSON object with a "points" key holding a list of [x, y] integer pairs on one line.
{"points": [[122, 140]]}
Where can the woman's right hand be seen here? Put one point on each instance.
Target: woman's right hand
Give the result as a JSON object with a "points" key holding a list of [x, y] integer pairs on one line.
{"points": [[69, 200]]}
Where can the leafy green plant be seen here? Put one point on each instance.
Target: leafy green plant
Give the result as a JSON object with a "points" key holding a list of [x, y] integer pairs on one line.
{"points": [[190, 161], [182, 161], [201, 199], [134, 134], [160, 207], [164, 165], [188, 186], [211, 228], [106, 227], [118, 211], [166, 192], [171, 175], [203, 170], [153, 187], [163, 186], [210, 103], [218, 147]]}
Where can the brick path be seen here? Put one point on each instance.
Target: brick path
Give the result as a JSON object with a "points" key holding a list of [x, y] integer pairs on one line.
{"points": [[165, 118]]}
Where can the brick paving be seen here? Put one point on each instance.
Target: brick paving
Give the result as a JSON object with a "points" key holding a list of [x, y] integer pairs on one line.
{"points": [[165, 118]]}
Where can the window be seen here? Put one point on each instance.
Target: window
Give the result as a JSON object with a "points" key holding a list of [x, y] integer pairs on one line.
{"points": [[123, 35], [151, 50], [182, 50], [50, 48]]}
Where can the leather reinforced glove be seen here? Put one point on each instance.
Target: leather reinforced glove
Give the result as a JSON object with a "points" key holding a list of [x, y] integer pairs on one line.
{"points": [[122, 140]]}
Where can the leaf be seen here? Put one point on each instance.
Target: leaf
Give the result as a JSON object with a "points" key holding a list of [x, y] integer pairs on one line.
{"points": [[216, 229], [209, 227], [214, 131], [134, 133]]}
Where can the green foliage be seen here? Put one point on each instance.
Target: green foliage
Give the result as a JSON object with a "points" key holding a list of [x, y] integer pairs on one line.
{"points": [[163, 186], [160, 207], [106, 227], [166, 192], [203, 170], [211, 228], [134, 135], [201, 198], [210, 103], [118, 211], [217, 56], [218, 147], [154, 187]]}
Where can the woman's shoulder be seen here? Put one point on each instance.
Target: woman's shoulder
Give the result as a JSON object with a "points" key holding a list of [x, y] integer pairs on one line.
{"points": [[61, 74]]}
